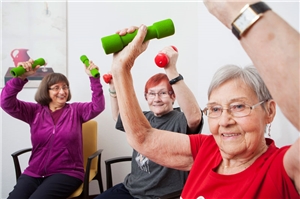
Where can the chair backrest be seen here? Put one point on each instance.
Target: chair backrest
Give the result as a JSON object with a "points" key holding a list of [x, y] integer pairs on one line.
{"points": [[89, 138]]}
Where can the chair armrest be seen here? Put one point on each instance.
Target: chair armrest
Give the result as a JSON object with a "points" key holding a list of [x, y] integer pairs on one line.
{"points": [[15, 156], [118, 159], [20, 152], [108, 164], [97, 153], [88, 168]]}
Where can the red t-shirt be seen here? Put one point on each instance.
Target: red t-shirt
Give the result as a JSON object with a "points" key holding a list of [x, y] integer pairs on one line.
{"points": [[265, 178]]}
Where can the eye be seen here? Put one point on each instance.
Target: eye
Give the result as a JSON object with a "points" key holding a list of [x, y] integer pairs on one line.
{"points": [[151, 94], [215, 109], [237, 107], [163, 93]]}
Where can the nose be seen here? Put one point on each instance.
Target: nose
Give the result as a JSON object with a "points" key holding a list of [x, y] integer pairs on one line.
{"points": [[61, 90], [225, 118]]}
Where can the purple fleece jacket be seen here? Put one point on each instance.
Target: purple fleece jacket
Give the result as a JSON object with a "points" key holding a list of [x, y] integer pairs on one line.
{"points": [[55, 148]]}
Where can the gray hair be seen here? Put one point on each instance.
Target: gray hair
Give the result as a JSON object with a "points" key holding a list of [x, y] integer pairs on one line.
{"points": [[248, 74]]}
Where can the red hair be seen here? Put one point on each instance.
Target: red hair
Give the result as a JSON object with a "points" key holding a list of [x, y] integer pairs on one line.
{"points": [[157, 79]]}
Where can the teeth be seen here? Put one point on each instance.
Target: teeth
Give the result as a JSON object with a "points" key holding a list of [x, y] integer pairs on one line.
{"points": [[230, 135]]}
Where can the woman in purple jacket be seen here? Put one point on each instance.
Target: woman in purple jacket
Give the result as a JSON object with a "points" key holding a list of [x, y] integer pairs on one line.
{"points": [[56, 164]]}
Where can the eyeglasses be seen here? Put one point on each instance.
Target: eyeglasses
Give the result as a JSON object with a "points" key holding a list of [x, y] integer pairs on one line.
{"points": [[161, 94], [236, 109], [57, 88]]}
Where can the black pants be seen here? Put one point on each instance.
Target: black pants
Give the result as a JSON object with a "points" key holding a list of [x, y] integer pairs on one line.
{"points": [[57, 186], [118, 191]]}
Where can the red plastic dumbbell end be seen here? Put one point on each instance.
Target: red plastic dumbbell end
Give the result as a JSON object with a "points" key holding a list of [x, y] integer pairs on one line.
{"points": [[161, 59], [107, 78]]}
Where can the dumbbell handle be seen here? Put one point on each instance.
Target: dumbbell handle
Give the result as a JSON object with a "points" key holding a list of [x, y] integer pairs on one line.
{"points": [[94, 71], [18, 71], [161, 59], [114, 43]]}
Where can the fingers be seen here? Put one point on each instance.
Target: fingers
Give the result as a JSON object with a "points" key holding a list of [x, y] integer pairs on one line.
{"points": [[27, 65], [169, 49], [92, 66], [142, 31], [124, 31]]}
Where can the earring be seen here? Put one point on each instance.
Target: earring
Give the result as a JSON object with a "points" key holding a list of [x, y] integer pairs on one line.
{"points": [[269, 130]]}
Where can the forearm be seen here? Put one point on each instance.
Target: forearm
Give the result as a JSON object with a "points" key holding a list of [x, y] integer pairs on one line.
{"points": [[273, 46], [113, 102], [89, 110], [9, 101], [130, 110], [186, 100], [188, 105]]}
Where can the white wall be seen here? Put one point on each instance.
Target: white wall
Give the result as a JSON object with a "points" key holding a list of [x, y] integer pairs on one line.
{"points": [[204, 45]]}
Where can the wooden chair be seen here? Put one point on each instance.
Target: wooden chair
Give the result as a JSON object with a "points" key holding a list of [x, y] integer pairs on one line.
{"points": [[92, 160]]}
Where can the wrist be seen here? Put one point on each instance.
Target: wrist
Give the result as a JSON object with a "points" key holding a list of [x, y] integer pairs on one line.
{"points": [[247, 17], [22, 77], [176, 79], [225, 11], [112, 93]]}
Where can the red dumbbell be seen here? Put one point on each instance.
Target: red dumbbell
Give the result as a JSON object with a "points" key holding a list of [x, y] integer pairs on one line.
{"points": [[161, 59], [107, 78]]}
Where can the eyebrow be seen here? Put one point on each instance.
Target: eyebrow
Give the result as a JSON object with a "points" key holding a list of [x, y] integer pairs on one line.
{"points": [[162, 90], [239, 99]]}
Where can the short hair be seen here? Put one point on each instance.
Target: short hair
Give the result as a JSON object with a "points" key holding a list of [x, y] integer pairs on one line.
{"points": [[157, 79], [248, 74], [42, 95]]}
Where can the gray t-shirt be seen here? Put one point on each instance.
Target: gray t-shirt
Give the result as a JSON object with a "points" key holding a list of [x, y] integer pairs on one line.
{"points": [[148, 179]]}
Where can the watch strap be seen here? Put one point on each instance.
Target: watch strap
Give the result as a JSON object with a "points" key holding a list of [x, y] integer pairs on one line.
{"points": [[176, 79], [258, 8]]}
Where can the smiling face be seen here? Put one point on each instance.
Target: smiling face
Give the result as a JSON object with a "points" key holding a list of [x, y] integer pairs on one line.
{"points": [[59, 95], [159, 100], [243, 136]]}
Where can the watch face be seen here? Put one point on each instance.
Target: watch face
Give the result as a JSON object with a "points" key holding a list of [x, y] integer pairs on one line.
{"points": [[245, 20]]}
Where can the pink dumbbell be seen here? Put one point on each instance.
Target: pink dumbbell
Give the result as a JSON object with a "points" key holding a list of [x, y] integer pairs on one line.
{"points": [[161, 59]]}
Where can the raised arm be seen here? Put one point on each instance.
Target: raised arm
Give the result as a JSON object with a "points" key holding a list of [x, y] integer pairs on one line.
{"points": [[113, 100], [273, 46], [9, 102], [184, 96], [140, 135], [89, 110]]}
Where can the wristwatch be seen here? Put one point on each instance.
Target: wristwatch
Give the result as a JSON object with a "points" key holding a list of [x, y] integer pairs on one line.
{"points": [[176, 79], [247, 17]]}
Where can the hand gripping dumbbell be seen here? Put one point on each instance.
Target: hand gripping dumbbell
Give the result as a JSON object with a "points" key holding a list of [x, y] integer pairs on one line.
{"points": [[86, 61], [161, 59], [19, 70], [114, 43]]}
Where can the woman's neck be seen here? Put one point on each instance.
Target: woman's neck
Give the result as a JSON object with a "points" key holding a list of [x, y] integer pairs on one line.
{"points": [[54, 107], [233, 166]]}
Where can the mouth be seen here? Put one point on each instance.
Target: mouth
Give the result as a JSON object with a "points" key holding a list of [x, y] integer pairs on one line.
{"points": [[230, 134], [158, 105], [61, 97]]}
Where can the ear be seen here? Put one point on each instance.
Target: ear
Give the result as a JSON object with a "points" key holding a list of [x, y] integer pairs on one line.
{"points": [[173, 97], [270, 107]]}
